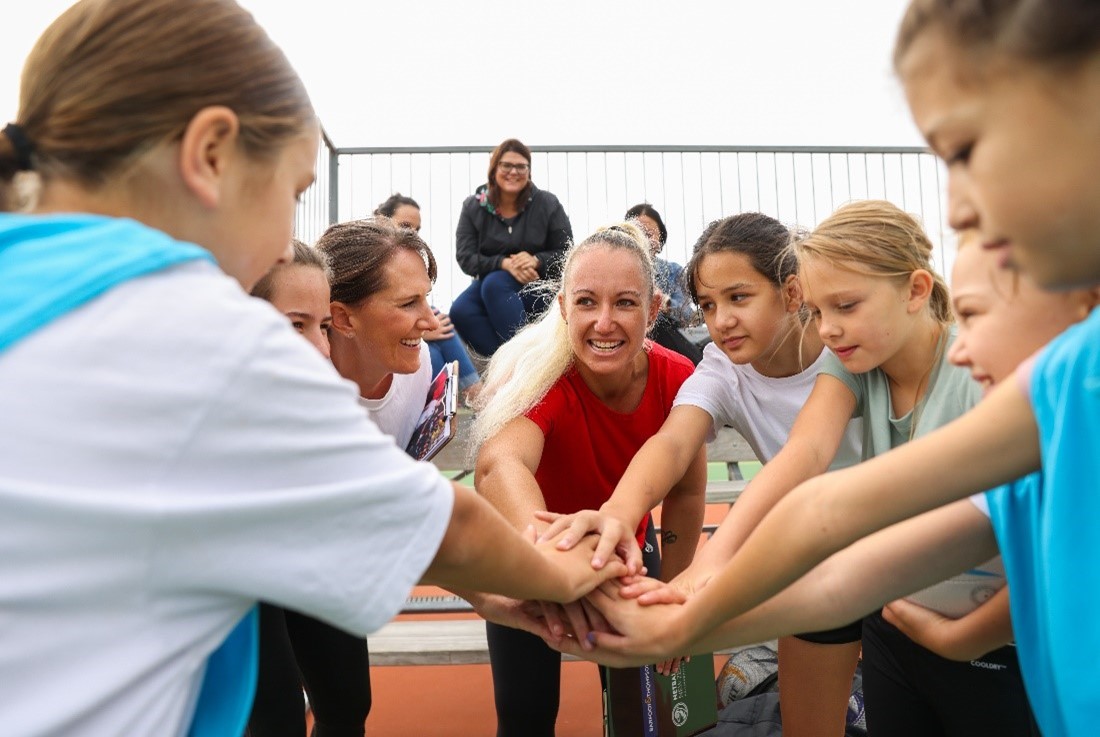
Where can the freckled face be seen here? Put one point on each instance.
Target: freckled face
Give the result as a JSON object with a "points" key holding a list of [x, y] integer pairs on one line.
{"points": [[1021, 142], [863, 319]]}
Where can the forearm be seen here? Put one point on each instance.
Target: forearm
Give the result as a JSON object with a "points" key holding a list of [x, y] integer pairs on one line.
{"points": [[511, 489], [682, 518], [681, 526], [789, 468], [654, 470], [890, 563], [482, 552]]}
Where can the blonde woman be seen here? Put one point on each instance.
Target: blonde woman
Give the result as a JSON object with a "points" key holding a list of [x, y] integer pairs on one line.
{"points": [[566, 405]]}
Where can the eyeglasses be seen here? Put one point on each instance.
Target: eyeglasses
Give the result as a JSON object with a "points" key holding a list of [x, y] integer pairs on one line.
{"points": [[517, 168]]}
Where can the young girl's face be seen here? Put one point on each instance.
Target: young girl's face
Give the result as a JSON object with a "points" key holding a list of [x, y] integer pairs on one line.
{"points": [[745, 312], [607, 306], [302, 294], [1021, 143], [391, 323], [1004, 317], [865, 320]]}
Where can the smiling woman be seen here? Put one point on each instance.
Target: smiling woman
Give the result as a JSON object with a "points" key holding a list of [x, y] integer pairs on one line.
{"points": [[381, 277], [566, 404]]}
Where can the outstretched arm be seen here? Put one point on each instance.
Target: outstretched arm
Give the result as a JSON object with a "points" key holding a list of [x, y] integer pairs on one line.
{"points": [[992, 444], [505, 471], [891, 563], [810, 448], [482, 552]]}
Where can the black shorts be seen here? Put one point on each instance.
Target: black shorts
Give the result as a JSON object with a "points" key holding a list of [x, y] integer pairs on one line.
{"points": [[852, 632]]}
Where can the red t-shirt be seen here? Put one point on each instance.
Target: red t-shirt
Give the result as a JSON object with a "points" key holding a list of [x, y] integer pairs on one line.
{"points": [[588, 446]]}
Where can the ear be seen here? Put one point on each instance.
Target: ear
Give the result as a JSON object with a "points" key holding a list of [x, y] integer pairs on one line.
{"points": [[208, 146], [561, 306], [341, 318], [921, 282], [792, 293], [1090, 298], [655, 305]]}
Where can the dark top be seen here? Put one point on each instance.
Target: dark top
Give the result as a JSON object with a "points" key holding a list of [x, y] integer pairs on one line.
{"points": [[483, 238]]}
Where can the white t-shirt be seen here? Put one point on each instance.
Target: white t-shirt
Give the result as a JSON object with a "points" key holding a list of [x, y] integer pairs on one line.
{"points": [[170, 453], [761, 408], [397, 412]]}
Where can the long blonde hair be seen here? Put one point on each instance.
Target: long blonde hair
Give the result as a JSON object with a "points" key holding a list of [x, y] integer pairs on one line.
{"points": [[876, 238], [524, 368]]}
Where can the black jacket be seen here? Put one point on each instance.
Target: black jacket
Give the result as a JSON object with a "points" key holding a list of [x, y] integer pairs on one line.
{"points": [[483, 238]]}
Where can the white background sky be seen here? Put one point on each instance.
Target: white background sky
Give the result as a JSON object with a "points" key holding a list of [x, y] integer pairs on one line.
{"points": [[441, 72]]}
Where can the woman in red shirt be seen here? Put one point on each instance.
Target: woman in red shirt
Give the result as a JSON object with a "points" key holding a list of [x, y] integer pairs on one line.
{"points": [[566, 404]]}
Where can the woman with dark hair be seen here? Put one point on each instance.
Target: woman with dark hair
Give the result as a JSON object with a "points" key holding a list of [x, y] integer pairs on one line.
{"points": [[444, 344], [676, 313], [510, 234]]}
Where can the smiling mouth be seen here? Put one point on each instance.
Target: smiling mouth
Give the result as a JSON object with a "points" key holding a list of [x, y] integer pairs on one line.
{"points": [[411, 342], [605, 346]]}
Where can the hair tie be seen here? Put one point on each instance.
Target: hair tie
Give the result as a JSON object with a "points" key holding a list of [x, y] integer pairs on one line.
{"points": [[22, 146]]}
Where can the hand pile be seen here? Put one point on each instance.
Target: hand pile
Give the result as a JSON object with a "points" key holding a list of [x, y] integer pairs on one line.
{"points": [[619, 617]]}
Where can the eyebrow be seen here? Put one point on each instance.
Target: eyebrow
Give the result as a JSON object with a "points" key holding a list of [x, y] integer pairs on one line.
{"points": [[586, 290], [305, 314]]}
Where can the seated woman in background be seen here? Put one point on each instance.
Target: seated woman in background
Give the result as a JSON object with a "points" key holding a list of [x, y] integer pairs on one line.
{"points": [[298, 651], [676, 312], [444, 345], [567, 403], [510, 234], [381, 276]]}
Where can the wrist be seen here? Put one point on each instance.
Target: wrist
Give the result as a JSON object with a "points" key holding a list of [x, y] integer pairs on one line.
{"points": [[628, 517]]}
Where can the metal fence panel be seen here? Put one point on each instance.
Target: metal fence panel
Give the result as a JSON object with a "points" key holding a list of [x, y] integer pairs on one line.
{"points": [[689, 185]]}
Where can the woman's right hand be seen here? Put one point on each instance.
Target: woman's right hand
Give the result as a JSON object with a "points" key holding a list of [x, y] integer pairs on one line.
{"points": [[523, 267], [616, 536]]}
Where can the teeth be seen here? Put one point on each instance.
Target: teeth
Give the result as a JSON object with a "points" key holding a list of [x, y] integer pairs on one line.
{"points": [[606, 346], [411, 343]]}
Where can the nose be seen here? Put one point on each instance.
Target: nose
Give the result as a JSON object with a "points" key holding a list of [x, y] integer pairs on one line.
{"points": [[428, 319], [828, 329], [319, 339], [725, 317], [604, 320], [961, 213], [958, 354]]}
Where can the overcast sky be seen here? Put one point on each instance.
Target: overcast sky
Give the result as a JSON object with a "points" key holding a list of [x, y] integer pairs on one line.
{"points": [[439, 72]]}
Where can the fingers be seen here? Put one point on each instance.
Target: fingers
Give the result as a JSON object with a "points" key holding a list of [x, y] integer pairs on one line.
{"points": [[578, 623], [596, 620], [551, 613], [629, 551]]}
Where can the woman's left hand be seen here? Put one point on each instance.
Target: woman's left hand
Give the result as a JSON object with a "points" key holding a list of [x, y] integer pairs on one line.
{"points": [[616, 537]]}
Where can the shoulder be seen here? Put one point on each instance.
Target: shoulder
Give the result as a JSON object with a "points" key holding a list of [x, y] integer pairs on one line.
{"points": [[670, 363], [558, 402], [545, 199]]}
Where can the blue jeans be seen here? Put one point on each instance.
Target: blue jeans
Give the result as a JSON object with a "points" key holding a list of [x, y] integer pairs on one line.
{"points": [[451, 349], [492, 309]]}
